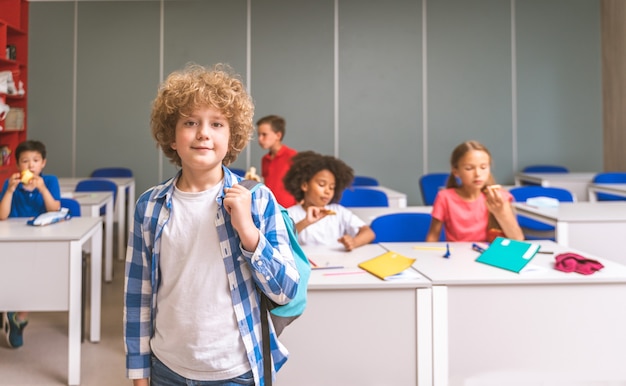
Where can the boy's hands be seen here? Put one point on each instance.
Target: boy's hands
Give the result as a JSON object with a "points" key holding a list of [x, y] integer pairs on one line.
{"points": [[316, 213], [237, 202], [14, 180]]}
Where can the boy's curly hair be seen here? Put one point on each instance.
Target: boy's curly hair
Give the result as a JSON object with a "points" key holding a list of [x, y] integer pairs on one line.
{"points": [[306, 164], [197, 86]]}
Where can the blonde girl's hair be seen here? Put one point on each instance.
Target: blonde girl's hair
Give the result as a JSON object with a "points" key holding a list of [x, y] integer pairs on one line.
{"points": [[458, 153], [197, 86]]}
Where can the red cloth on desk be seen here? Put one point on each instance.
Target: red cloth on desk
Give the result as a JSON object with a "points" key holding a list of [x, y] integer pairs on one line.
{"points": [[572, 262]]}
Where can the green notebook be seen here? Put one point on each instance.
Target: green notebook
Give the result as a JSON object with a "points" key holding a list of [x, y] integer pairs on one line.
{"points": [[508, 254]]}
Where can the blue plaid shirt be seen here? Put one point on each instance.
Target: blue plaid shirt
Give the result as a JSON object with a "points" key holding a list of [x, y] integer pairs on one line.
{"points": [[270, 268]]}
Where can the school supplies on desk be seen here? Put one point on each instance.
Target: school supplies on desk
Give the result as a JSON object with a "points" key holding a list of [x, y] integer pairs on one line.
{"points": [[508, 254], [50, 217], [386, 265]]}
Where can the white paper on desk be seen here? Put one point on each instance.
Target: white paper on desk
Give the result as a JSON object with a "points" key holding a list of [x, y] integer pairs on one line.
{"points": [[543, 202], [407, 274]]}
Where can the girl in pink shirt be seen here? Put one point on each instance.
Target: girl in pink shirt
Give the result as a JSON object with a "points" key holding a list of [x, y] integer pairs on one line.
{"points": [[472, 208]]}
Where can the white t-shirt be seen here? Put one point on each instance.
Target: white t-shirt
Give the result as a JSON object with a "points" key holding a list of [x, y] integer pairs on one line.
{"points": [[196, 333], [329, 229]]}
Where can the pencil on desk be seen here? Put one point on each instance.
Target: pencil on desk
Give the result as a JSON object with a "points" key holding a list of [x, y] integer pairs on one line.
{"points": [[426, 248], [328, 267]]}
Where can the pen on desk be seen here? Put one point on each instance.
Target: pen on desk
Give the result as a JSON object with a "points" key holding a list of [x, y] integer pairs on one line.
{"points": [[343, 273], [312, 263], [478, 248], [546, 252], [328, 267], [447, 254]]}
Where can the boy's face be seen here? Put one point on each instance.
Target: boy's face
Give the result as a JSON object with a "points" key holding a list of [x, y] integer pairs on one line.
{"points": [[474, 169], [268, 139], [202, 139], [31, 160], [320, 189]]}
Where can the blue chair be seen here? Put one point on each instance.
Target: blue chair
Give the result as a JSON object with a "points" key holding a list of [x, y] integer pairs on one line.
{"points": [[112, 172], [364, 181], [360, 197], [402, 227], [609, 178], [72, 205], [535, 230], [430, 184], [239, 172], [545, 169], [98, 185]]}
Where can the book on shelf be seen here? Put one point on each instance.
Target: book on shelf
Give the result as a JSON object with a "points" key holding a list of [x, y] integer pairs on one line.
{"points": [[387, 265]]}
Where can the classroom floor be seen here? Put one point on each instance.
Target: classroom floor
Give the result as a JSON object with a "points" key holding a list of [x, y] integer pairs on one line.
{"points": [[42, 361]]}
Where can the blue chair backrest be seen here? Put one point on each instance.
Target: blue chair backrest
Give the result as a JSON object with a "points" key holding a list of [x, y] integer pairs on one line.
{"points": [[361, 197], [545, 169], [112, 172], [72, 205], [97, 185], [523, 193], [398, 227], [609, 178], [364, 181], [430, 184], [239, 172]]}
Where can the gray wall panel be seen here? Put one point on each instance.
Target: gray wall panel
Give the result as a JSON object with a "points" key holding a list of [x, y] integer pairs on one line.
{"points": [[205, 32], [559, 83], [469, 86], [469, 81], [292, 70], [50, 83], [380, 98], [118, 74]]}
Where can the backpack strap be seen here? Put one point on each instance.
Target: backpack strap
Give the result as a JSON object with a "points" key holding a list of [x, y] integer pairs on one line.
{"points": [[252, 185]]}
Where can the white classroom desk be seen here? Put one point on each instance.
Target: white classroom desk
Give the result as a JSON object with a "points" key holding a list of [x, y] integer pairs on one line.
{"points": [[124, 220], [493, 327], [358, 329], [90, 205], [42, 271], [369, 213], [615, 189], [594, 227], [396, 199], [576, 182]]}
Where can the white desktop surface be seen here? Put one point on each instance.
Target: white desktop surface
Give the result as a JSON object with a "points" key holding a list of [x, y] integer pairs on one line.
{"points": [[124, 215], [396, 199], [593, 227], [494, 327], [90, 205], [575, 182], [368, 214], [358, 329], [42, 271], [615, 189]]}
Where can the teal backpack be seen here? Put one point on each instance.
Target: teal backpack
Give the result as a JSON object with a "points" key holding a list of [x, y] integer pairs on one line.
{"points": [[283, 315]]}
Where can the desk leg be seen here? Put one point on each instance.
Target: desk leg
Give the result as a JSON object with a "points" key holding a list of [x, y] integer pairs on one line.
{"points": [[121, 220], [96, 285], [424, 337], [75, 312], [108, 242], [593, 197], [562, 233], [130, 213], [440, 336]]}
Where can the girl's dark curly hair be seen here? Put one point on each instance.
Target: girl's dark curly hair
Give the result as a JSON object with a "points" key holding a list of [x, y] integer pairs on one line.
{"points": [[198, 86], [306, 164]]}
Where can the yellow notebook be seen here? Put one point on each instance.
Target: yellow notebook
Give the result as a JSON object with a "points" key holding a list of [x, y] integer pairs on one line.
{"points": [[386, 265]]}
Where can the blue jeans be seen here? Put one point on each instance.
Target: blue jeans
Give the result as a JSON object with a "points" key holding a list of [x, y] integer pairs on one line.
{"points": [[161, 375]]}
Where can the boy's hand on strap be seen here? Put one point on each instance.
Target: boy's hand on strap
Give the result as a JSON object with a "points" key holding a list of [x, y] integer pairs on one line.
{"points": [[237, 202]]}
